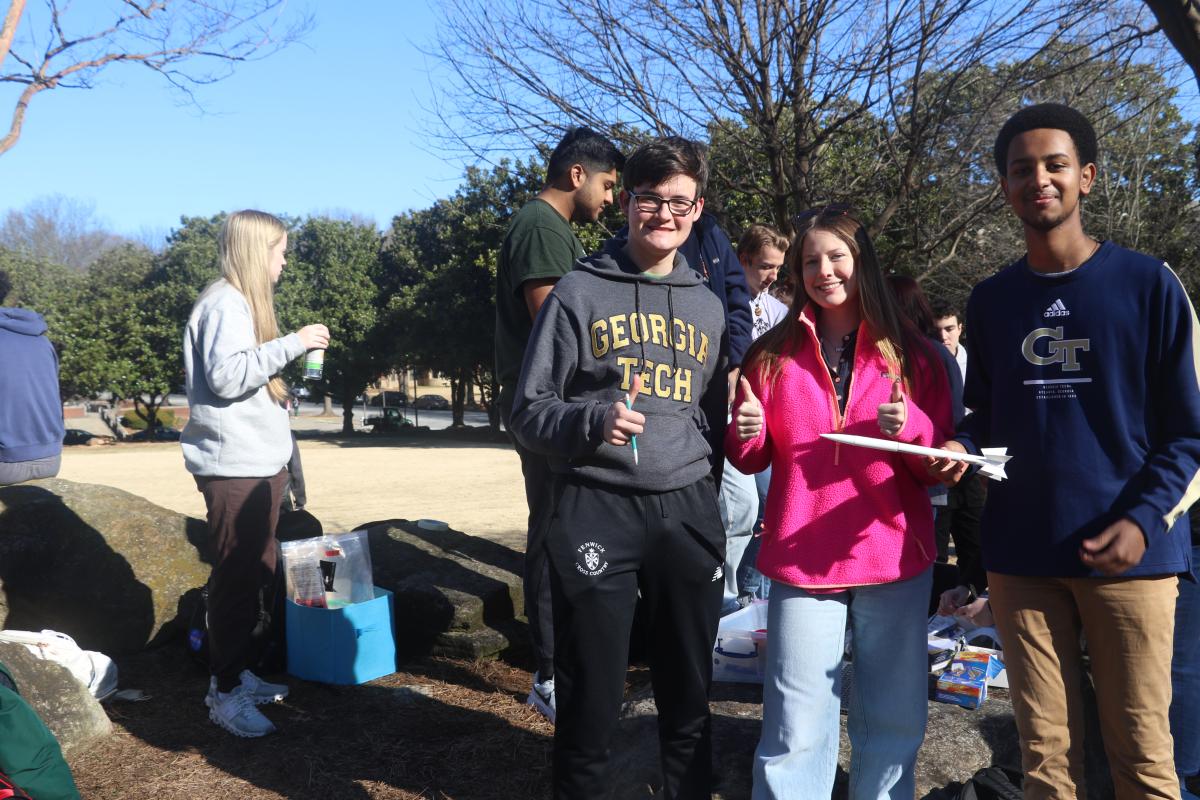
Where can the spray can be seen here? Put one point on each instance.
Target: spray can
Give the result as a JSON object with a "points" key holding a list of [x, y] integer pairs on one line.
{"points": [[314, 365]]}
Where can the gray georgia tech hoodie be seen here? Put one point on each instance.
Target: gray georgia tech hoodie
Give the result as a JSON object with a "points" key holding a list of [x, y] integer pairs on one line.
{"points": [[603, 323]]}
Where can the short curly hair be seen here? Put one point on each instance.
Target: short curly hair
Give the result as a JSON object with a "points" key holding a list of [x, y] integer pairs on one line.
{"points": [[1047, 115]]}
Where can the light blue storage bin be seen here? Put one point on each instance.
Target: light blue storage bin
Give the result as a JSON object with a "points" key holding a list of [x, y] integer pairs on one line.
{"points": [[349, 645]]}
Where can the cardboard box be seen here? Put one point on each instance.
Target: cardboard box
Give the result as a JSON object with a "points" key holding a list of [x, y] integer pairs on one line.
{"points": [[965, 682], [1000, 679], [739, 654], [348, 645], [961, 690]]}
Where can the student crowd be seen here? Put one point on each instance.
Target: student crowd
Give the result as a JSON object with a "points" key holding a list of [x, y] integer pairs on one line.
{"points": [[667, 397]]}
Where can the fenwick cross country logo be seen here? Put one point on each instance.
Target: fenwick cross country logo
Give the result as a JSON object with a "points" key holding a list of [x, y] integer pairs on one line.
{"points": [[589, 559]]}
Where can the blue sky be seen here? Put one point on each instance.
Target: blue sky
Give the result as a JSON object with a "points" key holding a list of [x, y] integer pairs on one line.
{"points": [[334, 124], [339, 123]]}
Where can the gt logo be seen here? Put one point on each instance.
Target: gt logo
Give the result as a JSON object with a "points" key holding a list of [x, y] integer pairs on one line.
{"points": [[1059, 350]]}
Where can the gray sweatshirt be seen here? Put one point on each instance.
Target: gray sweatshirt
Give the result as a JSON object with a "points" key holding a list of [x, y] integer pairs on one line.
{"points": [[235, 429], [603, 323]]}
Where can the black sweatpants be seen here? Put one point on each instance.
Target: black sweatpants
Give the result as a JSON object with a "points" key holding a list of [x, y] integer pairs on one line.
{"points": [[960, 518], [606, 543], [242, 515], [535, 580]]}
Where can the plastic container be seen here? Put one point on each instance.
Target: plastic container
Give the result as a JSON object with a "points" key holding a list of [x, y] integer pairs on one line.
{"points": [[739, 654], [349, 645], [340, 564]]}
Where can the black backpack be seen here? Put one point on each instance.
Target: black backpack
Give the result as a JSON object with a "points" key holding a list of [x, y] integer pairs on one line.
{"points": [[992, 783], [268, 646]]}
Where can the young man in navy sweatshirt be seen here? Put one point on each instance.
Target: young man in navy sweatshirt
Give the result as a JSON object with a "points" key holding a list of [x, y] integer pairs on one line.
{"points": [[1083, 363], [624, 347]]}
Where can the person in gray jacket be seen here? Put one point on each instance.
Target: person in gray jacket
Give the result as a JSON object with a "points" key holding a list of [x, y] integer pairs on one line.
{"points": [[610, 390], [236, 444]]}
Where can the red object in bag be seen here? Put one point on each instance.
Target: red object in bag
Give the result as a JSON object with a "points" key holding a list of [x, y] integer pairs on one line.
{"points": [[10, 791]]}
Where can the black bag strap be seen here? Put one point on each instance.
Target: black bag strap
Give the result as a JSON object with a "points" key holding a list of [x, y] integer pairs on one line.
{"points": [[993, 783]]}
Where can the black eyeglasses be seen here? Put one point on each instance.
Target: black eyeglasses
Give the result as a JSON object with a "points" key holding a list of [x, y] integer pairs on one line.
{"points": [[828, 211], [650, 203]]}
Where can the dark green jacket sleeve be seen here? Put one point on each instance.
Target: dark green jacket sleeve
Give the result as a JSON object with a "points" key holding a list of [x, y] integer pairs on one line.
{"points": [[29, 753]]}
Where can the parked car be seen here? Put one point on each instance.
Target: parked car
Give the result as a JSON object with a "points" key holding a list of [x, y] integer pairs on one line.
{"points": [[390, 420], [158, 434], [432, 401], [77, 436], [389, 398]]}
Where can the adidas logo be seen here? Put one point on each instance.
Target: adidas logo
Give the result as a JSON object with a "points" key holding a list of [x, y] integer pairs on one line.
{"points": [[1057, 309]]}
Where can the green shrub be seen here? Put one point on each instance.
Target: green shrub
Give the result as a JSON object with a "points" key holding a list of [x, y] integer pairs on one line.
{"points": [[165, 417]]}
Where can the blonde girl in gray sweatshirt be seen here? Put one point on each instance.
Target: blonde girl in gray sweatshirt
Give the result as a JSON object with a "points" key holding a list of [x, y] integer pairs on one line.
{"points": [[236, 444]]}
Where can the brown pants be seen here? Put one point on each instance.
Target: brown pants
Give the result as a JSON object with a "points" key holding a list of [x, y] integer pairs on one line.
{"points": [[1129, 624], [242, 515]]}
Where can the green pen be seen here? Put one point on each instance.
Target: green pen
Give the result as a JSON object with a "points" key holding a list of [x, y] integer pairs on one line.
{"points": [[632, 439]]}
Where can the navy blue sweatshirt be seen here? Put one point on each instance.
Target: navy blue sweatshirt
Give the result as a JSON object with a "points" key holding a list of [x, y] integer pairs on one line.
{"points": [[1090, 379], [31, 416]]}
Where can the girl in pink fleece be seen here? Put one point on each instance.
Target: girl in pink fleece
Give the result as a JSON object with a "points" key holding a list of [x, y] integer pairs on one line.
{"points": [[847, 532]]}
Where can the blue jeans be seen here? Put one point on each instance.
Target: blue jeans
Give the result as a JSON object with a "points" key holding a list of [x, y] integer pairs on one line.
{"points": [[797, 754], [738, 500], [1185, 676], [750, 581]]}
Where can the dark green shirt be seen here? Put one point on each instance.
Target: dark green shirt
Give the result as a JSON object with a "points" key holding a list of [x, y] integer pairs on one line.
{"points": [[539, 244]]}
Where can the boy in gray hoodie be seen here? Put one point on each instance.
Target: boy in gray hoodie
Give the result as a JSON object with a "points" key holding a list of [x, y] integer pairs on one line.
{"points": [[610, 389]]}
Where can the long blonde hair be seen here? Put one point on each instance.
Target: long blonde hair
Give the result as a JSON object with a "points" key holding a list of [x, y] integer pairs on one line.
{"points": [[247, 238]]}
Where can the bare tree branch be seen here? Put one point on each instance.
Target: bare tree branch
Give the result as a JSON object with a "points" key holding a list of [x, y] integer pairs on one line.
{"points": [[189, 42], [9, 27]]}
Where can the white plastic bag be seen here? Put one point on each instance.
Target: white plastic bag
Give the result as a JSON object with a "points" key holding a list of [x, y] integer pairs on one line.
{"points": [[94, 670], [329, 571]]}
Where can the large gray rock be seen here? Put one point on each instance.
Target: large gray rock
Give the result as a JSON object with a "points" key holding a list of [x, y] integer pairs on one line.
{"points": [[456, 595], [70, 712], [102, 565]]}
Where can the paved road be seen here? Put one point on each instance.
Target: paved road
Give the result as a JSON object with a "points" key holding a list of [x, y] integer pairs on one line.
{"points": [[311, 419]]}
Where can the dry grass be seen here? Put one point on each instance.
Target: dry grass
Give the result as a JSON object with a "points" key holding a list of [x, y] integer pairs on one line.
{"points": [[440, 729]]}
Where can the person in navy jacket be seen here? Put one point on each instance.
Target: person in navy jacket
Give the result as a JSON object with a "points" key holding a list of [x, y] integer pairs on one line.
{"points": [[1083, 363], [31, 415]]}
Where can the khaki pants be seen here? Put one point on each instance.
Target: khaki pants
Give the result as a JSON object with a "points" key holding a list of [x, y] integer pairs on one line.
{"points": [[1129, 625]]}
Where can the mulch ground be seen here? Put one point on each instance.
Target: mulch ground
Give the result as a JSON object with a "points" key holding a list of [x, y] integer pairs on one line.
{"points": [[439, 729]]}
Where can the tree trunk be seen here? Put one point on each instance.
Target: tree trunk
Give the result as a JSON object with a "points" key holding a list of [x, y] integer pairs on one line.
{"points": [[150, 414], [328, 410], [457, 385], [347, 408], [493, 405]]}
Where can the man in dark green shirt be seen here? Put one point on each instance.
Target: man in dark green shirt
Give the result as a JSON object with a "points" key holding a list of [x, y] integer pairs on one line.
{"points": [[539, 248]]}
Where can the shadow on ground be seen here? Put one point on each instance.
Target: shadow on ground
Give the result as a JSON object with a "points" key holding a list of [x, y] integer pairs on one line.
{"points": [[439, 729]]}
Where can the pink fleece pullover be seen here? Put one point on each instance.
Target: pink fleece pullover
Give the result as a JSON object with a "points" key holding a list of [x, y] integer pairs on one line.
{"points": [[839, 515]]}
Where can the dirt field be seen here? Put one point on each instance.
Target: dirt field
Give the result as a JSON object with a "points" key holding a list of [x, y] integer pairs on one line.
{"points": [[476, 488], [439, 729]]}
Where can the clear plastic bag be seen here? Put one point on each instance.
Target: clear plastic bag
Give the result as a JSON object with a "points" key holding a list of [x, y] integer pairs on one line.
{"points": [[329, 571]]}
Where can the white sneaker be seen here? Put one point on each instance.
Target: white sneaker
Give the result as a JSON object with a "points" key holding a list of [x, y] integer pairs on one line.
{"points": [[541, 697], [235, 712], [260, 691]]}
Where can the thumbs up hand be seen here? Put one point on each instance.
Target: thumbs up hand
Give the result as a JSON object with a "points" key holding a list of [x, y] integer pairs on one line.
{"points": [[621, 422], [893, 413], [749, 417]]}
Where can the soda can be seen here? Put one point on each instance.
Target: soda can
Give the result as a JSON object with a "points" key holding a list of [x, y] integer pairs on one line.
{"points": [[314, 365]]}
